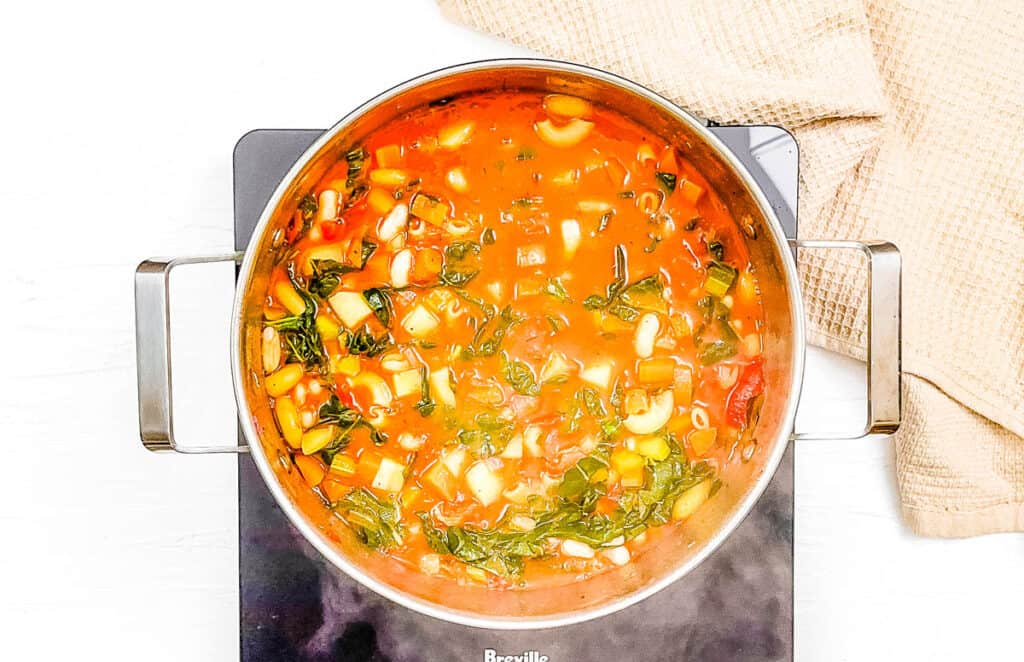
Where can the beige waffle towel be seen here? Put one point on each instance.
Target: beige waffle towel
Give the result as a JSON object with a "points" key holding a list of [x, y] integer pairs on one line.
{"points": [[910, 120]]}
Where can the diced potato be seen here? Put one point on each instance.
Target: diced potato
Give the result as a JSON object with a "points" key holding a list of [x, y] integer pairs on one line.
{"points": [[617, 555], [350, 307], [286, 295], [390, 476], [624, 461], [410, 494], [282, 381], [287, 415], [334, 251], [345, 365], [656, 416], [570, 237], [389, 177], [656, 371], [410, 442], [567, 135], [654, 448], [485, 484], [389, 156], [598, 374], [408, 382], [751, 345], [441, 388], [327, 327], [455, 135], [343, 465], [701, 441], [690, 191], [380, 201], [531, 255], [513, 449], [566, 106], [420, 322], [594, 206], [439, 478], [556, 368], [454, 460], [496, 290], [531, 441], [315, 440], [689, 501], [311, 468]]}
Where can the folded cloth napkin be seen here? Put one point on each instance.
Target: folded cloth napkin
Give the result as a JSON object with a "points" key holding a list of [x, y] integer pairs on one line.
{"points": [[910, 121]]}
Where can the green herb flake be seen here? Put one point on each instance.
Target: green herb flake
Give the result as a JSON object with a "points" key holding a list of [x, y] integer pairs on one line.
{"points": [[666, 180]]}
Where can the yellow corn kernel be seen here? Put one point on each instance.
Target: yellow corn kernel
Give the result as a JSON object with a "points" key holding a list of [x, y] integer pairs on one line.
{"points": [[289, 298], [380, 201], [284, 379], [655, 448], [624, 461], [389, 177], [327, 327], [287, 416], [343, 465], [315, 440]]}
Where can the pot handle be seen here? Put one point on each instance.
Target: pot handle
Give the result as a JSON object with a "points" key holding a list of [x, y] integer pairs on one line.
{"points": [[153, 353], [884, 370]]}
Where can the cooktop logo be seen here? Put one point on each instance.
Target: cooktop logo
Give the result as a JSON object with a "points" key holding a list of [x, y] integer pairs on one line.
{"points": [[490, 655]]}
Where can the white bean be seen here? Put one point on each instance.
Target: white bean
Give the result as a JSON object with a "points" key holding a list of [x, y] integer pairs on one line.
{"points": [[578, 549], [646, 333]]}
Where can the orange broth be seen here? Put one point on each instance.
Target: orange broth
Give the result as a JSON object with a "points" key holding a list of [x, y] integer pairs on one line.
{"points": [[461, 369]]}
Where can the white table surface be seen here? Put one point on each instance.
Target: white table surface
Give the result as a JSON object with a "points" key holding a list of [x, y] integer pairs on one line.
{"points": [[118, 122]]}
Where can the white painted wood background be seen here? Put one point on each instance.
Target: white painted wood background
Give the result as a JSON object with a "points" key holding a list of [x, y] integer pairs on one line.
{"points": [[118, 120]]}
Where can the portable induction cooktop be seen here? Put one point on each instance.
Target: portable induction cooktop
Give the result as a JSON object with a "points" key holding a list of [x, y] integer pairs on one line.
{"points": [[736, 606]]}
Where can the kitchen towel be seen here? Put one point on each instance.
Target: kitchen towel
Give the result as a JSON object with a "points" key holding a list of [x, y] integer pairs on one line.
{"points": [[910, 121]]}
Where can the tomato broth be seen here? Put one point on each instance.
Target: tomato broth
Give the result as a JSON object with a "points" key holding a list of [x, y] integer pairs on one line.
{"points": [[508, 334]]}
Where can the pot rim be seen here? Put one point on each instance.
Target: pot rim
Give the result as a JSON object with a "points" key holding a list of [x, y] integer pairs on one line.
{"points": [[452, 615]]}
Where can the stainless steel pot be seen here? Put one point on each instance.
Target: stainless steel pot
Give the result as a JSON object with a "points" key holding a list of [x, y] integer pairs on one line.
{"points": [[573, 601]]}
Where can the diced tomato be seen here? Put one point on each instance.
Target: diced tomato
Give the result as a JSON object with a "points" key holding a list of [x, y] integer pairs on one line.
{"points": [[330, 230], [749, 385]]}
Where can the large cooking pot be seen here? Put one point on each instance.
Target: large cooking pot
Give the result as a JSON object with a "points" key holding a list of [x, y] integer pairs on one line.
{"points": [[572, 601]]}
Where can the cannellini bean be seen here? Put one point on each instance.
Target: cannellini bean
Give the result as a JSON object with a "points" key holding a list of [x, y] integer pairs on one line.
{"points": [[394, 223], [726, 375], [308, 418], [617, 555], [699, 418], [299, 394], [578, 549], [271, 349], [571, 133], [646, 333], [401, 267], [456, 180], [394, 362], [284, 380], [751, 344], [314, 387], [327, 205]]}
